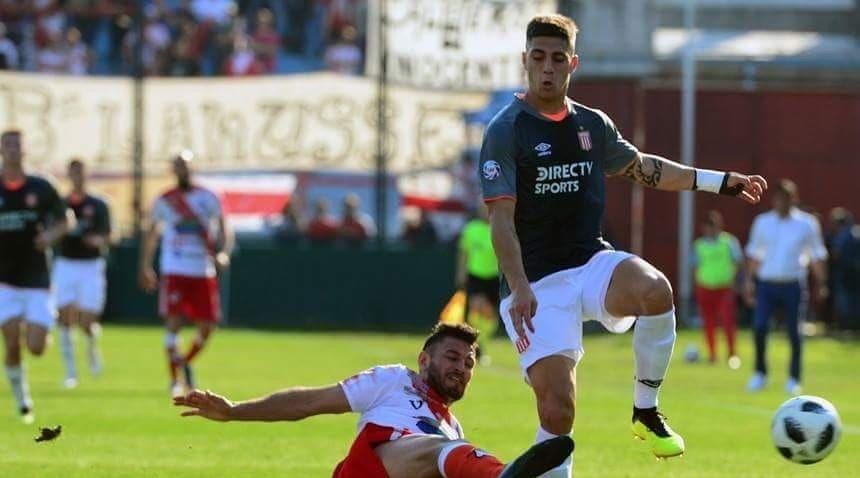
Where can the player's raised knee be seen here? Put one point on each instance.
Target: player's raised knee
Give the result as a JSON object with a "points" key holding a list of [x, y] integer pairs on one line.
{"points": [[656, 296]]}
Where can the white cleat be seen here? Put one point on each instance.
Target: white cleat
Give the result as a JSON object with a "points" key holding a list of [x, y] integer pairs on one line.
{"points": [[792, 387], [27, 416], [70, 383], [757, 382], [177, 390]]}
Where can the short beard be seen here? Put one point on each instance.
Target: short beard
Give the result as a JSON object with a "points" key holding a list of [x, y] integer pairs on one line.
{"points": [[436, 383], [184, 183]]}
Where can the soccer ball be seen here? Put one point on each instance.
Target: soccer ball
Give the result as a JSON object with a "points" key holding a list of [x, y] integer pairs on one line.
{"points": [[805, 429], [691, 354]]}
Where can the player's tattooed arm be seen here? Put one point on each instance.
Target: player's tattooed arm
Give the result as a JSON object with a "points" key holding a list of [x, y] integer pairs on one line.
{"points": [[659, 173]]}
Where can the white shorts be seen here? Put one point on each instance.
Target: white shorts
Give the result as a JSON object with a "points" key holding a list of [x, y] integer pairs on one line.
{"points": [[32, 305], [79, 283], [565, 300]]}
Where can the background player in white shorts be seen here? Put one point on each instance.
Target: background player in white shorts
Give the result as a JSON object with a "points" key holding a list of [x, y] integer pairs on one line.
{"points": [[406, 429], [195, 243], [543, 164], [78, 277], [32, 217]]}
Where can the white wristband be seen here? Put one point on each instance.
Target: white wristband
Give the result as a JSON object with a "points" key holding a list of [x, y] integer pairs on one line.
{"points": [[709, 180]]}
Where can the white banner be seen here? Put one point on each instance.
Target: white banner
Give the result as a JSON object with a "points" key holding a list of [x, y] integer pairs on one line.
{"points": [[454, 44], [303, 122]]}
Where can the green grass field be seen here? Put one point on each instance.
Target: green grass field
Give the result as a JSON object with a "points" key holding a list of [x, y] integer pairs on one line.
{"points": [[122, 424]]}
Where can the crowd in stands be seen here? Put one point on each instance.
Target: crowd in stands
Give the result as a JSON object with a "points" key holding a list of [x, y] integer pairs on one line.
{"points": [[353, 227], [843, 245], [183, 37]]}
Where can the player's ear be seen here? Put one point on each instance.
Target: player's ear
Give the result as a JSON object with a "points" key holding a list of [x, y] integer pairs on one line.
{"points": [[423, 359], [574, 62]]}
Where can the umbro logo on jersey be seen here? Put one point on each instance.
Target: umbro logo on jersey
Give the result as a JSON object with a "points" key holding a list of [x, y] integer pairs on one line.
{"points": [[543, 149]]}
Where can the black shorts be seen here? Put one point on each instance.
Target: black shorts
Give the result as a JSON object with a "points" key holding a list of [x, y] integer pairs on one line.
{"points": [[488, 288]]}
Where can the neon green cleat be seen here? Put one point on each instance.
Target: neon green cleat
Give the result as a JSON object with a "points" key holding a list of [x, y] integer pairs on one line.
{"points": [[650, 425]]}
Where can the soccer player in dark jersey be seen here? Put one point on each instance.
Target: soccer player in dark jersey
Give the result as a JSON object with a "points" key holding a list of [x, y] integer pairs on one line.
{"points": [[32, 217], [543, 163], [78, 276]]}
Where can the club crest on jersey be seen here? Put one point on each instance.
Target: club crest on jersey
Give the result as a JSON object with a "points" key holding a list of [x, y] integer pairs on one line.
{"points": [[543, 149], [491, 170], [523, 344], [584, 140], [31, 200]]}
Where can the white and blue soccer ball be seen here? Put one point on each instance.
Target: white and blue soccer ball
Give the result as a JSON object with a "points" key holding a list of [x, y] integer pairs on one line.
{"points": [[805, 429]]}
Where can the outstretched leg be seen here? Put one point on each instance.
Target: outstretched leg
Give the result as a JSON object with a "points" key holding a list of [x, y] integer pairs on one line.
{"points": [[433, 457]]}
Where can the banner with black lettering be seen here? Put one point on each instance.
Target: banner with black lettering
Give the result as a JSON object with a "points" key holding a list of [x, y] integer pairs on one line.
{"points": [[319, 121], [453, 44]]}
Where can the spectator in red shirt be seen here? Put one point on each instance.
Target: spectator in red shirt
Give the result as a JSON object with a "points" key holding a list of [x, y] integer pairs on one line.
{"points": [[243, 61], [356, 226], [322, 227], [266, 39]]}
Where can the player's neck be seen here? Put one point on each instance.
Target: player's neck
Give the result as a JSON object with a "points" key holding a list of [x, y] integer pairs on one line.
{"points": [[12, 174], [77, 194], [552, 107]]}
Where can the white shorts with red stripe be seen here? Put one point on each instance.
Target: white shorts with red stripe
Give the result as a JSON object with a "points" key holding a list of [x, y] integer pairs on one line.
{"points": [[565, 300]]}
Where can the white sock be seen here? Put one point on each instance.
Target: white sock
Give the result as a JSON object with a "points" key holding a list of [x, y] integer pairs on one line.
{"points": [[171, 341], [67, 350], [565, 470], [93, 347], [18, 384], [653, 341]]}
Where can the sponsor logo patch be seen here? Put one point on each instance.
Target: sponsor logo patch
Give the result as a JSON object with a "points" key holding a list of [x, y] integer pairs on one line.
{"points": [[543, 149], [584, 140], [491, 170]]}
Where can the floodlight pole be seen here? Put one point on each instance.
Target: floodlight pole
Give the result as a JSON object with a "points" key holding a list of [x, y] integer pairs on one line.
{"points": [[381, 129], [686, 209], [137, 121]]}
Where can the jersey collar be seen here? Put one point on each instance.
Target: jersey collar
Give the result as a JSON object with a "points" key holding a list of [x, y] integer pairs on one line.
{"points": [[75, 198], [14, 185], [555, 117], [434, 399]]}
